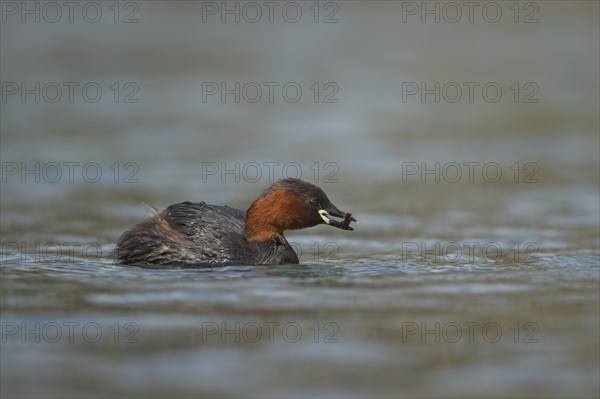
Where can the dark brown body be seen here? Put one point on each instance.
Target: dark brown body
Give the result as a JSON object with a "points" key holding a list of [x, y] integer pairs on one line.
{"points": [[203, 235], [198, 234]]}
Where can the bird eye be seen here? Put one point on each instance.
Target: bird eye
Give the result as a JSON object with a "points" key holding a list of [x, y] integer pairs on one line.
{"points": [[313, 202]]}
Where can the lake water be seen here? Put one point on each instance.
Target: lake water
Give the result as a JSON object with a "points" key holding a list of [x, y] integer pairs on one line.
{"points": [[468, 152]]}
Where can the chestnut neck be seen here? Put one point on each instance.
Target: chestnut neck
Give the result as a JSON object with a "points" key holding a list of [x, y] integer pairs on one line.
{"points": [[273, 213]]}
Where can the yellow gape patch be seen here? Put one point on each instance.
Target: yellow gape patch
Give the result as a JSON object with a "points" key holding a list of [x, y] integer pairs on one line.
{"points": [[324, 215]]}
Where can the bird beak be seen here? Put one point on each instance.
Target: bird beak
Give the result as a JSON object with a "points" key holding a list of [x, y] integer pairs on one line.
{"points": [[331, 211]]}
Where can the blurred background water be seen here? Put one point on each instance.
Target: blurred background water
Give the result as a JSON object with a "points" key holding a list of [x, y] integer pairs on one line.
{"points": [[474, 270]]}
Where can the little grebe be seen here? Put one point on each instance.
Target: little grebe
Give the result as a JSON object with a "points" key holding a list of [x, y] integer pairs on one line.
{"points": [[198, 234]]}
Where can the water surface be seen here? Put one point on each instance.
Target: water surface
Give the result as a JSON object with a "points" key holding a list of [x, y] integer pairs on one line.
{"points": [[463, 289]]}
